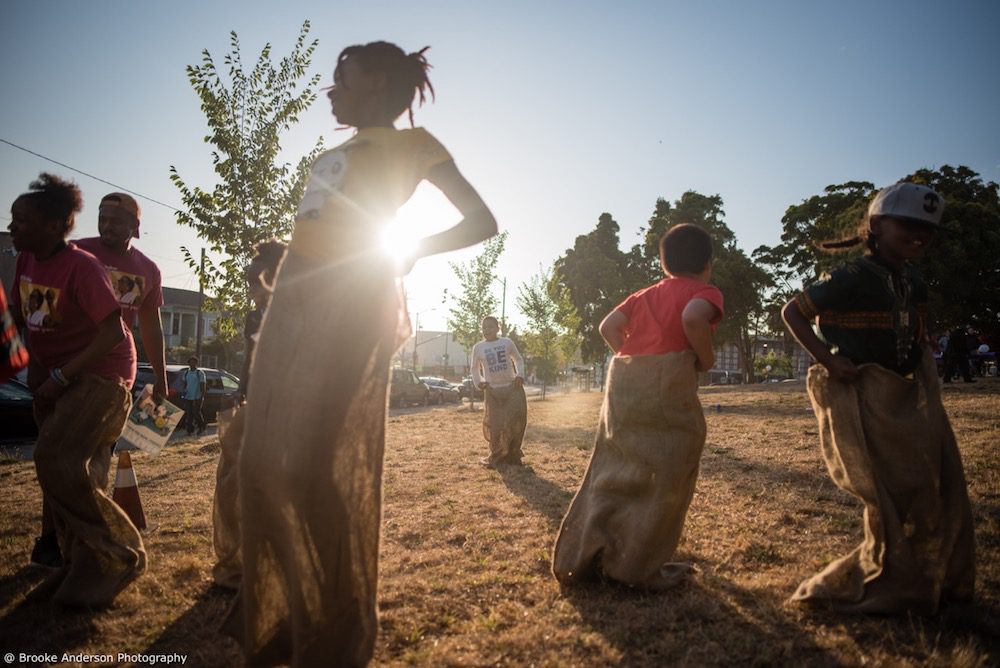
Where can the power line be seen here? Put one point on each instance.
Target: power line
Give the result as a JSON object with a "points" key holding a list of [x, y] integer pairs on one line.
{"points": [[91, 176]]}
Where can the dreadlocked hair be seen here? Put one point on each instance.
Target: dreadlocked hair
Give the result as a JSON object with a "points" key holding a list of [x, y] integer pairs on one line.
{"points": [[56, 199], [405, 74], [863, 235]]}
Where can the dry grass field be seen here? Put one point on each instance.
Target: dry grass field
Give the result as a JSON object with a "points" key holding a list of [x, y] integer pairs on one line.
{"points": [[465, 554]]}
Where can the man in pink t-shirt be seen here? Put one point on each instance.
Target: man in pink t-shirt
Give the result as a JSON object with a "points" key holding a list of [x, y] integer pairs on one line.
{"points": [[134, 277]]}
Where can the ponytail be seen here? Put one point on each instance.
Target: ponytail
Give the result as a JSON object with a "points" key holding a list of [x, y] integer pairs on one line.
{"points": [[405, 74]]}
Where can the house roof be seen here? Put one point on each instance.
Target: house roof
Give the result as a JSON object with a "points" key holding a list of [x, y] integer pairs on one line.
{"points": [[179, 297]]}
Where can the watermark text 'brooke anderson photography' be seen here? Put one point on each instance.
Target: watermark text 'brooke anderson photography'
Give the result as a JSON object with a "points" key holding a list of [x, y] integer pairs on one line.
{"points": [[25, 659]]}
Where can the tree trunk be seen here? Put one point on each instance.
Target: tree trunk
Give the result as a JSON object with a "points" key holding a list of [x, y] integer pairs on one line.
{"points": [[747, 355]]}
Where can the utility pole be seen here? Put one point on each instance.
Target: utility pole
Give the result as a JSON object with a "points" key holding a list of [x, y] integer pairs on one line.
{"points": [[201, 301], [416, 334], [503, 306]]}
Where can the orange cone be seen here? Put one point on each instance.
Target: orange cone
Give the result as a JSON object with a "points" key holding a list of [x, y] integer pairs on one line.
{"points": [[126, 492]]}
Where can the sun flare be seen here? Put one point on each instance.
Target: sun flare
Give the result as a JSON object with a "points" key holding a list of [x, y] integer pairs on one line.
{"points": [[427, 212]]}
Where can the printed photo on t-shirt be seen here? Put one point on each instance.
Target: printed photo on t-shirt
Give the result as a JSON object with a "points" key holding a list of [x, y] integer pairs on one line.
{"points": [[324, 180], [129, 288], [40, 306]]}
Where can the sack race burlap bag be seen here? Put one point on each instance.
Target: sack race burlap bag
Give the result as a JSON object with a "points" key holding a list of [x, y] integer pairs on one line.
{"points": [[228, 568], [310, 472], [626, 520], [504, 420], [887, 440], [101, 548]]}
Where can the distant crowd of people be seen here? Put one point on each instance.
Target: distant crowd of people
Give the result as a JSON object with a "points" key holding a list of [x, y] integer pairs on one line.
{"points": [[964, 353]]}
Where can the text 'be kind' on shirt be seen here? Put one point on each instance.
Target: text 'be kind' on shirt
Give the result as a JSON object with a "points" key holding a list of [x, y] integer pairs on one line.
{"points": [[494, 361], [62, 300]]}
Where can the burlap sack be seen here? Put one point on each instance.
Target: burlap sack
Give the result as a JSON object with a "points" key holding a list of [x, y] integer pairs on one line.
{"points": [[311, 466], [626, 519], [504, 421], [101, 548], [228, 568], [887, 440]]}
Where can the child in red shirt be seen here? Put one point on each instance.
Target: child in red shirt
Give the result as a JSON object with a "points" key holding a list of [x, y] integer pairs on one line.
{"points": [[626, 520], [679, 313]]}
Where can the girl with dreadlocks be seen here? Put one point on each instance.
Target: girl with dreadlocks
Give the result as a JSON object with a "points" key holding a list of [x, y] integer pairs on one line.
{"points": [[311, 468], [884, 432]]}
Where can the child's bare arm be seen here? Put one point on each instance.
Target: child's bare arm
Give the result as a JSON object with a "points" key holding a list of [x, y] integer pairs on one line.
{"points": [[613, 329], [840, 367], [697, 319]]}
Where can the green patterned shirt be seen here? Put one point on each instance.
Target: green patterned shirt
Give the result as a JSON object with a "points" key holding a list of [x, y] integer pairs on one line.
{"points": [[869, 313]]}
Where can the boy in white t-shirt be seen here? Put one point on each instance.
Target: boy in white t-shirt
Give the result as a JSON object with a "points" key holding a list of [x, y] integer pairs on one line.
{"points": [[498, 370]]}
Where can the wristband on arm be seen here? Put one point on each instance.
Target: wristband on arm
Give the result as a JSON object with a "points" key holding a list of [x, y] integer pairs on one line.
{"points": [[58, 376]]}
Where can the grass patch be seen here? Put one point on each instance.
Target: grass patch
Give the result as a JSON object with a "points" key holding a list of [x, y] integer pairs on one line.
{"points": [[465, 551]]}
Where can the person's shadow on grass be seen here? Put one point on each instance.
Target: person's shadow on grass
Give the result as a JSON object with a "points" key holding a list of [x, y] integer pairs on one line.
{"points": [[706, 620], [40, 627], [197, 633], [545, 496]]}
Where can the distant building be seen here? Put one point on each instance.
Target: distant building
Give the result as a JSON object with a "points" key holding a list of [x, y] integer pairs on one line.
{"points": [[434, 353], [179, 314], [729, 367]]}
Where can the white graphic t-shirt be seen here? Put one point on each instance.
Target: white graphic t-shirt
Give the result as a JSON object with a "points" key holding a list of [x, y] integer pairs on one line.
{"points": [[494, 362]]}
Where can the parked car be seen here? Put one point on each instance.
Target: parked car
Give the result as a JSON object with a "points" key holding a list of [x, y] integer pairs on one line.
{"points": [[405, 388], [17, 423], [468, 389], [442, 391], [222, 388]]}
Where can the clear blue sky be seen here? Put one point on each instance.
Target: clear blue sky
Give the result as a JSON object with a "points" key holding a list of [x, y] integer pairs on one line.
{"points": [[556, 111]]}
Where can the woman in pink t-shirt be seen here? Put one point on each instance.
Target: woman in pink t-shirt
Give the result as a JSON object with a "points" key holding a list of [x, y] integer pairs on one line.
{"points": [[82, 363]]}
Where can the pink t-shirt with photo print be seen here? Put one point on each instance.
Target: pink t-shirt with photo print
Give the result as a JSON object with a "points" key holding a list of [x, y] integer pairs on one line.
{"points": [[134, 277], [62, 300]]}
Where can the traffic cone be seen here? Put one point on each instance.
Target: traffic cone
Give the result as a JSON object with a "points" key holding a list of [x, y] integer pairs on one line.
{"points": [[126, 493]]}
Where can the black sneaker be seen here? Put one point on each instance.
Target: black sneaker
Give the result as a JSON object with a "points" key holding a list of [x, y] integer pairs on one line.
{"points": [[46, 551]]}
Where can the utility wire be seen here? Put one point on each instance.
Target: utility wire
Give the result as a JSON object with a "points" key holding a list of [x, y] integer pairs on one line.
{"points": [[96, 178]]}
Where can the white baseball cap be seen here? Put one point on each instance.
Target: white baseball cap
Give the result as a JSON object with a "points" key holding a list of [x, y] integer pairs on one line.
{"points": [[908, 201]]}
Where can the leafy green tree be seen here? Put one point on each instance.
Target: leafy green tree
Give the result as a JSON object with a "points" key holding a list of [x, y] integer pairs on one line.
{"points": [[476, 300], [744, 285], [742, 281], [567, 319], [773, 364], [597, 276], [256, 196], [545, 336], [961, 267], [836, 214]]}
